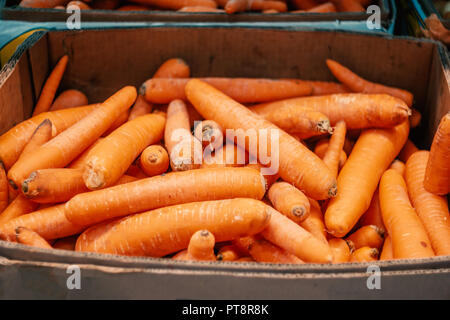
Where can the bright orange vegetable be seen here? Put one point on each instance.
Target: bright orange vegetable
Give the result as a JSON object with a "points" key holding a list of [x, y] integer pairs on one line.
{"points": [[289, 201], [364, 254], [69, 99], [41, 135], [321, 148], [408, 149], [228, 253], [373, 214], [230, 155], [415, 118], [31, 238], [262, 250], [340, 250], [176, 4], [173, 68], [399, 166], [140, 108], [314, 224], [367, 236], [210, 133], [334, 151], [154, 160], [200, 248], [42, 3], [4, 190], [386, 252], [67, 243], [19, 206]]}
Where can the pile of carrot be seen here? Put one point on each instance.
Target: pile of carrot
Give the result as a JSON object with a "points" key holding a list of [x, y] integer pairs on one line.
{"points": [[218, 6], [170, 170]]}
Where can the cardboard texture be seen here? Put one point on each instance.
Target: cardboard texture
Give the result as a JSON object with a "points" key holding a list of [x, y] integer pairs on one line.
{"points": [[102, 61]]}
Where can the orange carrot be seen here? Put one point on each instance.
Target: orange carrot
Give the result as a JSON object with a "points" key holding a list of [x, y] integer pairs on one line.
{"points": [[358, 84], [50, 87], [31, 238], [13, 141], [185, 151], [269, 178], [173, 68], [286, 234], [110, 159], [67, 243], [166, 230], [65, 147], [297, 164], [314, 224], [349, 6], [140, 108], [431, 208], [42, 3], [4, 190], [228, 253], [398, 166], [304, 4], [19, 206], [322, 88], [323, 8], [409, 238], [321, 148], [372, 154], [80, 161], [159, 191], [289, 201], [415, 118], [366, 236], [243, 90], [263, 5], [408, 149], [200, 248], [176, 4], [263, 251], [42, 134], [333, 154], [229, 155], [233, 6], [154, 160], [123, 117], [135, 171], [210, 133], [364, 254], [386, 252], [69, 99], [437, 175], [373, 214], [199, 9], [340, 250], [79, 4], [359, 111], [50, 223]]}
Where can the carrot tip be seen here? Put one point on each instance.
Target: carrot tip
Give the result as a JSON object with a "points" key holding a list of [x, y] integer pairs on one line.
{"points": [[13, 184], [351, 245], [332, 192], [298, 211], [142, 89]]}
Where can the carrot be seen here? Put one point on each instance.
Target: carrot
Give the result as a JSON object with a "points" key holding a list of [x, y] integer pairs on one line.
{"points": [[437, 175], [366, 236], [322, 88], [373, 214], [340, 250], [110, 159], [333, 154], [31, 238], [50, 223], [200, 9], [297, 164], [176, 4], [323, 8], [50, 87], [386, 252], [135, 171], [364, 254], [185, 151], [269, 178], [415, 118], [409, 238], [432, 209], [69, 99], [159, 191], [286, 234], [19, 206], [262, 250], [372, 154], [154, 160], [229, 155], [305, 122], [243, 90], [408, 149], [67, 243], [398, 166], [314, 224], [13, 141], [4, 190], [210, 133], [321, 148], [263, 5], [41, 135], [166, 230], [200, 248], [80, 161], [123, 117], [140, 108], [359, 111], [358, 84], [79, 4], [242, 244], [173, 68], [42, 3], [65, 147], [304, 4], [289, 201], [233, 6], [228, 253]]}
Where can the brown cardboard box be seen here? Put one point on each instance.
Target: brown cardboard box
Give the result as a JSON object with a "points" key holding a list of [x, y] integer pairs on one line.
{"points": [[101, 61]]}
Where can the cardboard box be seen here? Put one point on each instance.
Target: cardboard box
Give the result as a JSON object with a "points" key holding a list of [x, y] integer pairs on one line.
{"points": [[102, 61]]}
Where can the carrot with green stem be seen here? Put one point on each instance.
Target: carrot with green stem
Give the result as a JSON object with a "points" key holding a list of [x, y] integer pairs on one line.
{"points": [[335, 148], [31, 238], [110, 159], [65, 147], [69, 99], [13, 141], [200, 248], [357, 110], [408, 235], [169, 189], [372, 154], [262, 250], [314, 223], [154, 160], [364, 254], [358, 84], [18, 207], [4, 189], [166, 230], [289, 201], [50, 87], [366, 236], [432, 209], [437, 175], [243, 90], [288, 235], [297, 164]]}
